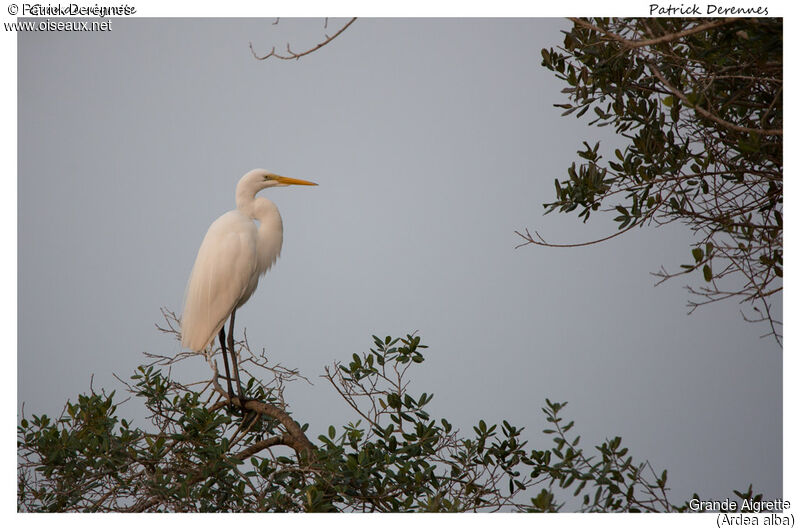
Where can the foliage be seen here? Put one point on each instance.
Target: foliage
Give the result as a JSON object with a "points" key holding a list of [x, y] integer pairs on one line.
{"points": [[699, 103], [394, 457]]}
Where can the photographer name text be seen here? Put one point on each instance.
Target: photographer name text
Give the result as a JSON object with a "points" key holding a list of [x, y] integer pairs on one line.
{"points": [[76, 10], [706, 9]]}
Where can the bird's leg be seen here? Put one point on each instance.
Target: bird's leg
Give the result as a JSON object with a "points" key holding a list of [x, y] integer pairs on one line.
{"points": [[227, 370], [242, 399]]}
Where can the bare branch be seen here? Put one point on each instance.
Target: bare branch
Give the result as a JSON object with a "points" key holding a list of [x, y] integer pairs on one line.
{"points": [[539, 240], [296, 55]]}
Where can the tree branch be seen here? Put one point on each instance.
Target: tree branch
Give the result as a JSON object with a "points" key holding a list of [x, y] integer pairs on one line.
{"points": [[658, 40], [263, 444], [542, 243], [703, 112], [292, 55], [294, 438]]}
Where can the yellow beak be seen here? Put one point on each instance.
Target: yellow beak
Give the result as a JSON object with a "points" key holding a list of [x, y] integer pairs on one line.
{"points": [[287, 181]]}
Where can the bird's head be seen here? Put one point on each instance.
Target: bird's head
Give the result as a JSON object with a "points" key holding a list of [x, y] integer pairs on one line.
{"points": [[259, 179]]}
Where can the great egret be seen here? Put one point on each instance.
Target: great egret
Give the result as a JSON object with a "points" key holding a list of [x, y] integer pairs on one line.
{"points": [[235, 253]]}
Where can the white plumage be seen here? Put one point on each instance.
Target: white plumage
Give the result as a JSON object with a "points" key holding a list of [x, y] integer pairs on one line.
{"points": [[233, 256]]}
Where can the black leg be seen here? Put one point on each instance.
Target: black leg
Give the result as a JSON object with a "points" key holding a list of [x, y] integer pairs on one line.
{"points": [[235, 361], [227, 370]]}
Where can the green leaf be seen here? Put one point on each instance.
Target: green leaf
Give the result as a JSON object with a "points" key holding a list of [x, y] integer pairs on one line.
{"points": [[707, 273]]}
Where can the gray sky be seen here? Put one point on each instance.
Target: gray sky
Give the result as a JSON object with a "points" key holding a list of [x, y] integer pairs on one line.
{"points": [[432, 141]]}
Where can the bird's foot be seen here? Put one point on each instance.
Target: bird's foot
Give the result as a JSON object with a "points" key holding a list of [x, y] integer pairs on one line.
{"points": [[241, 409], [243, 404]]}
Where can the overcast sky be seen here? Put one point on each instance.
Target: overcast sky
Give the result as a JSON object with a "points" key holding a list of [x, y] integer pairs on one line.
{"points": [[432, 141]]}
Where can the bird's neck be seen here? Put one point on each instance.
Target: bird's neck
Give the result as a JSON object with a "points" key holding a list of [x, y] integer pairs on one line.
{"points": [[252, 206], [245, 200], [262, 210]]}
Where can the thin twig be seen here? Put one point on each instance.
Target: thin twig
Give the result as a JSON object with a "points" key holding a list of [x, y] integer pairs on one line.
{"points": [[296, 55]]}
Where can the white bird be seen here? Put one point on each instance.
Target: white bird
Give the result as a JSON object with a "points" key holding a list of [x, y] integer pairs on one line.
{"points": [[238, 249]]}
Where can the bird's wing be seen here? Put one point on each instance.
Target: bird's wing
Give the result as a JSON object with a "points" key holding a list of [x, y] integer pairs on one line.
{"points": [[222, 272]]}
